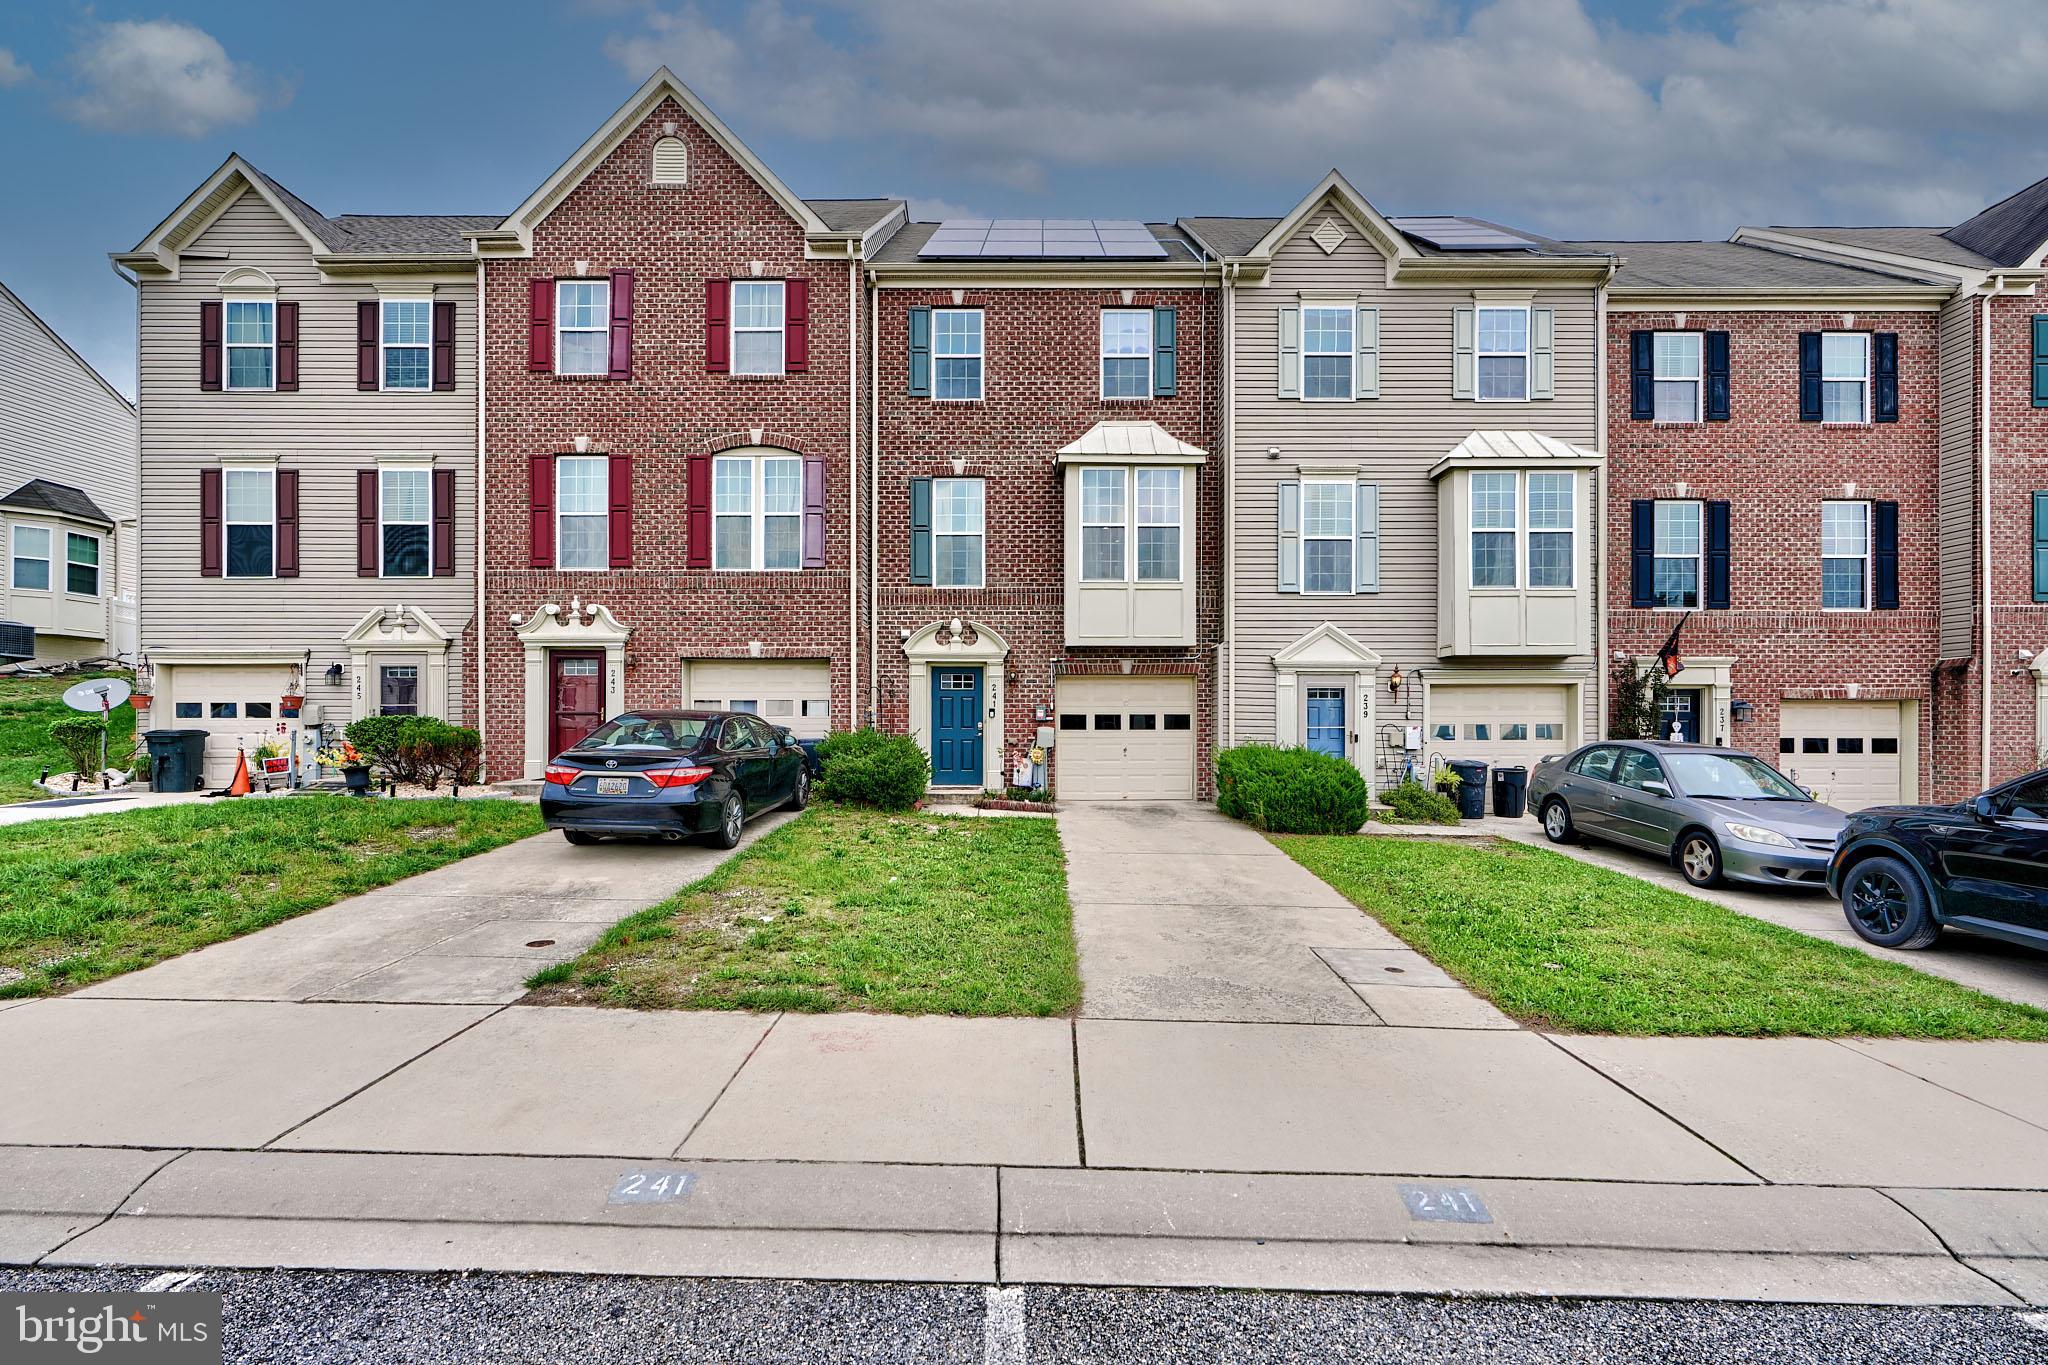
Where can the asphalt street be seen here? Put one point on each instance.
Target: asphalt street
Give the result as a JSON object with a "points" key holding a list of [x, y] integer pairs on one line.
{"points": [[322, 1318]]}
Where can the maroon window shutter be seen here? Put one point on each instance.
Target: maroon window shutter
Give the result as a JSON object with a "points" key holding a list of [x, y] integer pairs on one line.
{"points": [[444, 522], [622, 324], [540, 501], [287, 523], [444, 346], [209, 351], [697, 488], [717, 334], [540, 328], [366, 345], [287, 349], [621, 469], [209, 522], [368, 548], [814, 511], [796, 326]]}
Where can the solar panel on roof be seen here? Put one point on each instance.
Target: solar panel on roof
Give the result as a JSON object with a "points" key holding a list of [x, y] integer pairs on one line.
{"points": [[1458, 234], [1041, 239]]}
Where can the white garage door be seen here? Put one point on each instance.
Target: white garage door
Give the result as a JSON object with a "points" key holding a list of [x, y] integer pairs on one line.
{"points": [[1497, 725], [237, 707], [1125, 739], [796, 693], [1846, 751]]}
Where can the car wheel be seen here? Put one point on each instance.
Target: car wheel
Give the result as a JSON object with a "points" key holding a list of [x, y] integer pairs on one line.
{"points": [[800, 794], [1699, 858], [1886, 905], [577, 836], [1557, 822], [732, 818]]}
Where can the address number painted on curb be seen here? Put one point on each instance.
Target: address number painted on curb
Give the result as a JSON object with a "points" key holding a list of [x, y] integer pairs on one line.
{"points": [[1443, 1204], [651, 1187]]}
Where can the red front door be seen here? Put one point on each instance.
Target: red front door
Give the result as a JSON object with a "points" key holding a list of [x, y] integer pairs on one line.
{"points": [[577, 689]]}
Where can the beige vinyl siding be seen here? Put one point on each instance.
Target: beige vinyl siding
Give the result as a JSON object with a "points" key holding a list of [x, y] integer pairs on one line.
{"points": [[327, 431], [1957, 480], [1393, 440]]}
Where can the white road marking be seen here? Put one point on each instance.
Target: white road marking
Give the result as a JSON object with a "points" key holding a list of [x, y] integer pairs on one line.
{"points": [[2037, 1321], [173, 1282], [1002, 1334]]}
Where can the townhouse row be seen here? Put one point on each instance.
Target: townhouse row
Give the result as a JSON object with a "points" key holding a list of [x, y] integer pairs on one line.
{"points": [[1103, 494]]}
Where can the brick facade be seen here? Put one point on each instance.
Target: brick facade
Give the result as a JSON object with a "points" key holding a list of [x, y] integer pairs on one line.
{"points": [[2019, 469]]}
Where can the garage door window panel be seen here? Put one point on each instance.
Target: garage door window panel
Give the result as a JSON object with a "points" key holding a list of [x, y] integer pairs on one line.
{"points": [[249, 522]]}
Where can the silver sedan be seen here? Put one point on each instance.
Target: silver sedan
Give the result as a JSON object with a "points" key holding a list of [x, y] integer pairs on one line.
{"points": [[1714, 813]]}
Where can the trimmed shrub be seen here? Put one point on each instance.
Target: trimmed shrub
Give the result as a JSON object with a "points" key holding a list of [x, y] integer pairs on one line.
{"points": [[419, 749], [1414, 804], [871, 768], [79, 737], [1290, 791]]}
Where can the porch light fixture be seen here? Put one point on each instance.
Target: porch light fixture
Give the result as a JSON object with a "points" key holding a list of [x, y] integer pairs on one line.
{"points": [[1394, 680], [334, 675], [1743, 712]]}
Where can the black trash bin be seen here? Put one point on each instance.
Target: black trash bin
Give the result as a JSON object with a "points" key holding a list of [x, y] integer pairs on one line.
{"points": [[1471, 787], [177, 759], [1510, 791]]}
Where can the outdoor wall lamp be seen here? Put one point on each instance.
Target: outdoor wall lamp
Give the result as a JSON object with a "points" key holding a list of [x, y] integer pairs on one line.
{"points": [[1742, 711], [334, 675], [1394, 680]]}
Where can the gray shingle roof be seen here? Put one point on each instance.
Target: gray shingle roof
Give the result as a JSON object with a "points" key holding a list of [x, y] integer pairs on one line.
{"points": [[1735, 265], [61, 499], [853, 215], [2011, 230], [1230, 236], [380, 234], [1927, 243]]}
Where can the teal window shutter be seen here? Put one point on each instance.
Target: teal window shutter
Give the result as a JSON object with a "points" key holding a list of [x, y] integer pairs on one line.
{"points": [[2041, 547], [1464, 353], [921, 532], [1542, 353], [1164, 351], [1290, 352], [2041, 360], [1366, 565], [921, 353], [1290, 536]]}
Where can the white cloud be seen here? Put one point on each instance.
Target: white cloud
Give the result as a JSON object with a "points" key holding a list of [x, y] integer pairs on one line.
{"points": [[1853, 110], [161, 76], [13, 70]]}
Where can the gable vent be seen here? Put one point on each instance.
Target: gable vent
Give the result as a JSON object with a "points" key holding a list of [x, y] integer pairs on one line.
{"points": [[671, 161]]}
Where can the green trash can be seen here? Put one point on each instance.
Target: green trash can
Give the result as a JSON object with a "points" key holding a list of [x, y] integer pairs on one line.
{"points": [[177, 759]]}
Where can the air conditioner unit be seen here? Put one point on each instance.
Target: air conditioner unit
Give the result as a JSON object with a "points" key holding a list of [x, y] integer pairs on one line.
{"points": [[17, 642]]}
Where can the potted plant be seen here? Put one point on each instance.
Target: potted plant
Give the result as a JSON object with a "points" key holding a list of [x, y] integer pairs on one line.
{"points": [[140, 700], [272, 754], [355, 769]]}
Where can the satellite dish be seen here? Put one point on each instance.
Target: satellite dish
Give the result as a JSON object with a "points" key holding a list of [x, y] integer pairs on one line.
{"points": [[96, 694]]}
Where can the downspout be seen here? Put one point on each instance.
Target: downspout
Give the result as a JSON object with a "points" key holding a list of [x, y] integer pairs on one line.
{"points": [[134, 281], [477, 549], [1226, 441], [1600, 516], [853, 490], [1984, 516], [874, 505]]}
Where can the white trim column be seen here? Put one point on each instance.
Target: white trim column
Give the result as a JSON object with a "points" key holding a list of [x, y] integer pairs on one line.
{"points": [[945, 643], [1327, 652], [576, 626]]}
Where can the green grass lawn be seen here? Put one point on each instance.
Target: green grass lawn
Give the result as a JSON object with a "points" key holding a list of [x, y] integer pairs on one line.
{"points": [[85, 899], [1562, 945], [27, 706], [846, 909]]}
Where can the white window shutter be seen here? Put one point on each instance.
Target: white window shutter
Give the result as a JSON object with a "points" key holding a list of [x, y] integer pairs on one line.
{"points": [[1290, 352], [1366, 560], [1542, 352], [1289, 539], [1464, 353], [1368, 334]]}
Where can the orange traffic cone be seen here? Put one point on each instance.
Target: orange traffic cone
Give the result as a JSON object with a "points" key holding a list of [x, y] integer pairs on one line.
{"points": [[239, 784]]}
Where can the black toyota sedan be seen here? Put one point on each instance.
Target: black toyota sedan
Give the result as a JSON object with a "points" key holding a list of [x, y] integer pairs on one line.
{"points": [[673, 774], [1904, 873]]}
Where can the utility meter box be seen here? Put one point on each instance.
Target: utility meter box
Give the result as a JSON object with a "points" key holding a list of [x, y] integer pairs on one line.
{"points": [[1045, 733]]}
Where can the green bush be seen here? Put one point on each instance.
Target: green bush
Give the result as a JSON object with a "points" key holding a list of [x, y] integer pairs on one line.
{"points": [[1290, 791], [1414, 804], [421, 749], [870, 768], [80, 738]]}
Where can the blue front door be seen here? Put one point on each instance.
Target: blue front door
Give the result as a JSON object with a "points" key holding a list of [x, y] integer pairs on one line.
{"points": [[1680, 717], [956, 727], [1326, 720]]}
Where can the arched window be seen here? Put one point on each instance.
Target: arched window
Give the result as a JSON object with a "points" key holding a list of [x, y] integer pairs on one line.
{"points": [[671, 161]]}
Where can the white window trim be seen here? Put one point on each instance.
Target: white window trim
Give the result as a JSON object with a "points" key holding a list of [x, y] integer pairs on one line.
{"points": [[605, 482], [98, 566], [979, 353], [732, 313], [1530, 530], [1475, 530], [1869, 382], [1869, 550], [1351, 375], [1698, 381], [1123, 523], [757, 513], [228, 348], [603, 328], [269, 473], [1699, 557], [1103, 355], [47, 559], [979, 535], [1350, 487], [384, 347], [1480, 353], [1138, 523], [384, 518]]}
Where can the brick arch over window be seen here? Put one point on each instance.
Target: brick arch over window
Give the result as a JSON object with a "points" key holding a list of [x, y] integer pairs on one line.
{"points": [[758, 443]]}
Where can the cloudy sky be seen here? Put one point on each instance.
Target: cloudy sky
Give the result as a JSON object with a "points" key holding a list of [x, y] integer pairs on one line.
{"points": [[1591, 118]]}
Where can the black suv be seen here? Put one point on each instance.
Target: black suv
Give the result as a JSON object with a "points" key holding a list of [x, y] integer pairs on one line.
{"points": [[1906, 872]]}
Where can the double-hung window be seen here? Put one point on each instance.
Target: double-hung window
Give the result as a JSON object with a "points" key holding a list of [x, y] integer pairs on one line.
{"points": [[1126, 353], [1677, 376], [81, 564], [249, 521], [757, 318], [956, 353], [957, 533], [1328, 351], [1109, 497], [1103, 509], [1329, 537], [406, 338], [1678, 547], [583, 312], [1845, 556], [582, 512], [757, 512], [1158, 525], [1494, 528], [1844, 377], [1553, 528], [405, 507], [251, 343], [1503, 355], [31, 557]]}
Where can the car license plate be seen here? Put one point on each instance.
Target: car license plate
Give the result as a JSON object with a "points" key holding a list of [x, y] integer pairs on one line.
{"points": [[613, 786]]}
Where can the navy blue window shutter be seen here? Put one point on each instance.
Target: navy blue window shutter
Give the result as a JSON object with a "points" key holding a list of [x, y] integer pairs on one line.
{"points": [[1809, 376], [920, 352], [921, 532], [1165, 350], [2041, 547], [1642, 558], [1887, 527], [1717, 556], [2041, 360], [1884, 392], [1642, 376], [1717, 376]]}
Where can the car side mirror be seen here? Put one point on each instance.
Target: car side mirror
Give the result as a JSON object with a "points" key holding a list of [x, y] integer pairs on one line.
{"points": [[1983, 809], [1657, 788]]}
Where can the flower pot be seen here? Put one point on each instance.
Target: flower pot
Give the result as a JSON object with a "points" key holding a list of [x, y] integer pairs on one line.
{"points": [[357, 778], [293, 701], [140, 700]]}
